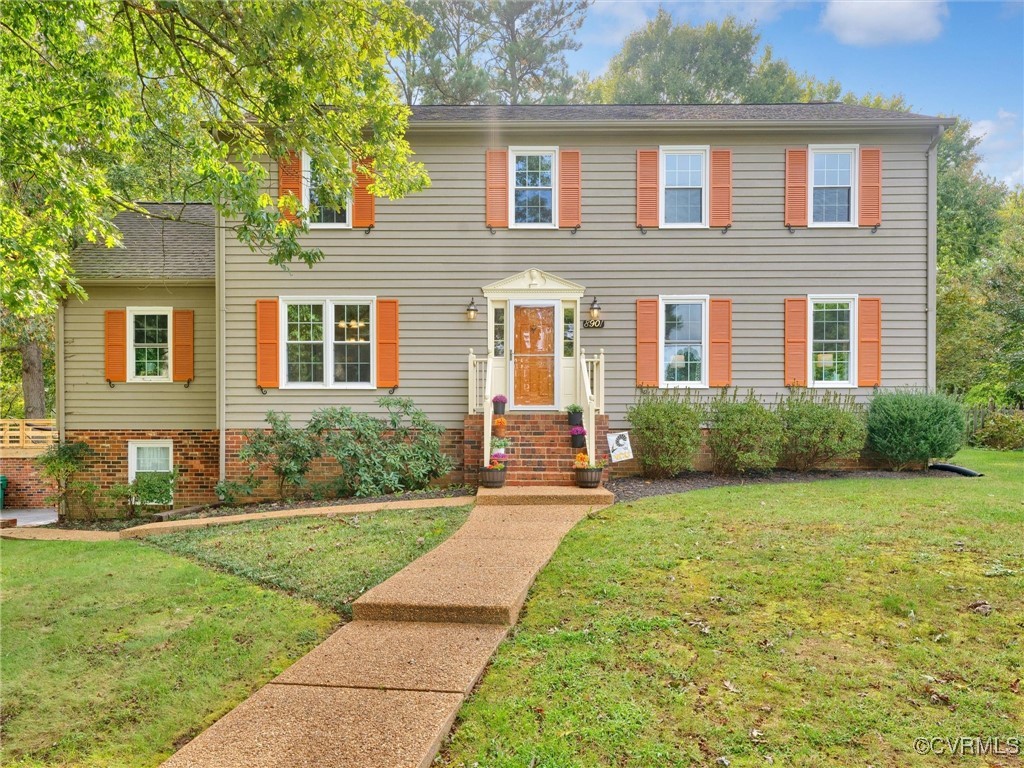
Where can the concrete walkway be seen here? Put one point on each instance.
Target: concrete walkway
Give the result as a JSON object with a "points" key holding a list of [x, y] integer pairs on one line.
{"points": [[30, 517], [383, 691]]}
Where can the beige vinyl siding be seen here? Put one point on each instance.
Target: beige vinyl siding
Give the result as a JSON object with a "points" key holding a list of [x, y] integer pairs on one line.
{"points": [[433, 252], [89, 403]]}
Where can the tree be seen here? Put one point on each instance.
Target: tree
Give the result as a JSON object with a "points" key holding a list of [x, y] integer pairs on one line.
{"points": [[27, 366], [1005, 293], [492, 51], [98, 93]]}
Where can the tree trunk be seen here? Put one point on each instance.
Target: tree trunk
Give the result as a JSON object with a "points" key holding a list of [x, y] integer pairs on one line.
{"points": [[32, 387]]}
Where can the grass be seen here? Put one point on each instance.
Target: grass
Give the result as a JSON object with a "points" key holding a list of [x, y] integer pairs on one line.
{"points": [[824, 624], [328, 560], [114, 653]]}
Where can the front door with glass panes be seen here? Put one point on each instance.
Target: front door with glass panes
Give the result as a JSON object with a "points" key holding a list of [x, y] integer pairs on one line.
{"points": [[535, 354]]}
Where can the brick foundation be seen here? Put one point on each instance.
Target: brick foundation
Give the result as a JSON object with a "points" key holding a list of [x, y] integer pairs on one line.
{"points": [[541, 452], [26, 489], [195, 455]]}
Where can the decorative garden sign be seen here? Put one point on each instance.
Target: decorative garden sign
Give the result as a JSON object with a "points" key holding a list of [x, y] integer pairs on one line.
{"points": [[619, 447]]}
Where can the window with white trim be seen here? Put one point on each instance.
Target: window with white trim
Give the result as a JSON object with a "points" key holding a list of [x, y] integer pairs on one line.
{"points": [[832, 340], [683, 341], [683, 176], [532, 197], [149, 343], [833, 172], [328, 342], [151, 456], [329, 213]]}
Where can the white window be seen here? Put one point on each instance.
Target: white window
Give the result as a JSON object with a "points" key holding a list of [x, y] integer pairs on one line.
{"points": [[833, 183], [683, 178], [683, 341], [149, 343], [328, 342], [328, 215], [151, 456], [532, 198], [833, 340]]}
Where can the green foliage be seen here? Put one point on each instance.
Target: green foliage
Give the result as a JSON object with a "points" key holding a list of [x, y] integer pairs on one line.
{"points": [[60, 464], [378, 456], [231, 491], [818, 429], [492, 52], [908, 428], [745, 435], [574, 408], [288, 451], [99, 95], [17, 334], [148, 489], [666, 430], [1002, 431]]}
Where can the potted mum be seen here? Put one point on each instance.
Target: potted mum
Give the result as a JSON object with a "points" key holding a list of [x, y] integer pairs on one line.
{"points": [[575, 412], [493, 475], [500, 425], [499, 404], [498, 448], [579, 436], [588, 473]]}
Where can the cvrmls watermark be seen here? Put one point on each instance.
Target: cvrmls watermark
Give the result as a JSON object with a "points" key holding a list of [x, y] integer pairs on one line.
{"points": [[968, 745]]}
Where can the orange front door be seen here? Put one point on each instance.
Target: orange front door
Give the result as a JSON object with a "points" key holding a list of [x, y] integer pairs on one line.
{"points": [[533, 355]]}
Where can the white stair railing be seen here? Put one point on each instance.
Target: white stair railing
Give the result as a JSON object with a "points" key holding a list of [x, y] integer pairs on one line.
{"points": [[481, 380], [590, 401]]}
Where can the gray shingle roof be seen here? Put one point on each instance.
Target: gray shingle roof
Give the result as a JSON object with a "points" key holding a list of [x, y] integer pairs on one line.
{"points": [[615, 113], [153, 248]]}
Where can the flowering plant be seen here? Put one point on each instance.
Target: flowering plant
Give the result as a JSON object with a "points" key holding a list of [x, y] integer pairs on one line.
{"points": [[498, 455], [495, 464], [499, 399], [501, 421], [583, 462], [577, 431]]}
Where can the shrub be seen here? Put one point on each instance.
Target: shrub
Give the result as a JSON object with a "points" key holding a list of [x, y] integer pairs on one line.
{"points": [[60, 463], [908, 428], [666, 429], [745, 436], [1003, 431], [147, 489], [378, 456], [288, 450], [818, 429]]}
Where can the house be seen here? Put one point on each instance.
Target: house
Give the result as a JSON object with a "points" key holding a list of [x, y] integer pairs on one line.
{"points": [[562, 254]]}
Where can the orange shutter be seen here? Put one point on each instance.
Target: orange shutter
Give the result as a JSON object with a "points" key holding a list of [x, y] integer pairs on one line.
{"points": [[267, 361], [796, 188], [869, 200], [720, 343], [387, 343], [647, 207], [721, 188], [647, 343], [569, 188], [183, 356], [796, 343], [496, 204], [115, 346], [364, 206], [289, 179], [869, 342]]}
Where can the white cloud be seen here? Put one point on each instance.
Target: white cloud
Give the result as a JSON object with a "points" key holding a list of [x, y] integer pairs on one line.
{"points": [[1001, 146], [884, 22]]}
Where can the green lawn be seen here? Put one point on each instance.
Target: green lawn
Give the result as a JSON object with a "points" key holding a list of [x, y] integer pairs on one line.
{"points": [[113, 653], [823, 624], [329, 560]]}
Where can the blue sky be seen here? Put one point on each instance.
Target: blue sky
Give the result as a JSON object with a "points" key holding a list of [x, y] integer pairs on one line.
{"points": [[963, 58]]}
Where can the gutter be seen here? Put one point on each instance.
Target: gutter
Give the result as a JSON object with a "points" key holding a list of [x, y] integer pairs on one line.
{"points": [[678, 125]]}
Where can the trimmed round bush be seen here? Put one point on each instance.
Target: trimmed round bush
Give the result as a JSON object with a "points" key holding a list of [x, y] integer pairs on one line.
{"points": [[745, 436], [912, 428], [817, 430], [666, 431]]}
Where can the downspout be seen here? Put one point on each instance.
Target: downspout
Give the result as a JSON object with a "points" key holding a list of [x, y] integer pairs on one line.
{"points": [[932, 255], [59, 372], [220, 325]]}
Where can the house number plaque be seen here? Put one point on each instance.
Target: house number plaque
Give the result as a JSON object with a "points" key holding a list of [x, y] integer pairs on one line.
{"points": [[593, 323]]}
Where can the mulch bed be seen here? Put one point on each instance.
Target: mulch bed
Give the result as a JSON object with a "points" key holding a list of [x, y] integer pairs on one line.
{"points": [[636, 488]]}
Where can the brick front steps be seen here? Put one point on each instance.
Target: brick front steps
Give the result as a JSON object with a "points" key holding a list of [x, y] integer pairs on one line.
{"points": [[541, 452]]}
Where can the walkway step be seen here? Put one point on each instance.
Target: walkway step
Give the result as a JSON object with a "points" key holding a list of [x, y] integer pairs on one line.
{"points": [[544, 494], [302, 726], [401, 655]]}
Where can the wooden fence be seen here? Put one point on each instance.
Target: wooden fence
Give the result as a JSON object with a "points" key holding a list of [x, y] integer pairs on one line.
{"points": [[26, 437], [977, 415]]}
